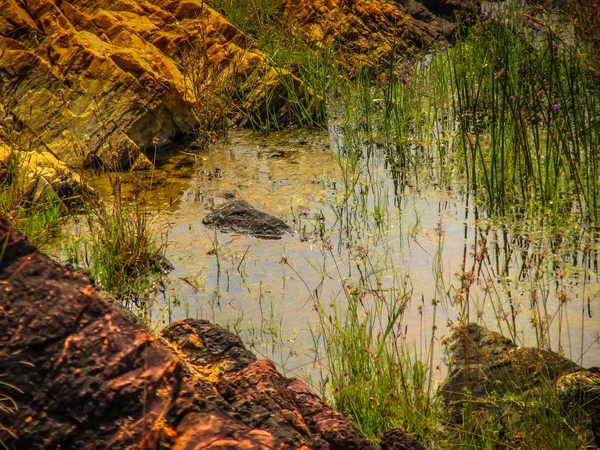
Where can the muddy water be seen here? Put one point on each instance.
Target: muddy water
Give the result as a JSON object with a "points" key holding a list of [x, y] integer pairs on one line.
{"points": [[352, 223], [425, 239]]}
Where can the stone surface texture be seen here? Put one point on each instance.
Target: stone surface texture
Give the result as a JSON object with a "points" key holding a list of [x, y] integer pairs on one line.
{"points": [[484, 364], [96, 81], [85, 377], [374, 31], [239, 216]]}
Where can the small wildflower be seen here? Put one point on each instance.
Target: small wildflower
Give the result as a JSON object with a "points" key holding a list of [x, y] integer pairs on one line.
{"points": [[556, 107], [408, 65], [537, 29], [304, 213], [328, 77], [345, 374], [443, 49], [497, 58], [376, 102], [554, 45], [503, 12], [467, 20], [512, 98]]}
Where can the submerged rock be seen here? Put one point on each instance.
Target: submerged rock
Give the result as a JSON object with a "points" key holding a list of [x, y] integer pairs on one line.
{"points": [[239, 216], [490, 375]]}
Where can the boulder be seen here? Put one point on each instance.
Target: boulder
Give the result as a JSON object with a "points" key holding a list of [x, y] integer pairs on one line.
{"points": [[83, 376], [98, 81], [371, 32], [257, 393], [490, 375], [239, 216], [39, 176], [399, 439]]}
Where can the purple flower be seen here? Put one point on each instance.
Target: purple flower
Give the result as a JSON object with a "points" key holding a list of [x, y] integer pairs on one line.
{"points": [[556, 107], [503, 12], [345, 374], [376, 102], [512, 98], [304, 213], [537, 29], [467, 20], [328, 77], [408, 65], [554, 45], [594, 6], [497, 58]]}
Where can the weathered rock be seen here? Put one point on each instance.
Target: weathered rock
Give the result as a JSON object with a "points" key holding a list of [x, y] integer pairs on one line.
{"points": [[370, 32], [332, 426], [210, 349], [85, 377], [39, 176], [257, 393], [485, 364], [97, 80], [239, 216], [399, 439], [88, 378]]}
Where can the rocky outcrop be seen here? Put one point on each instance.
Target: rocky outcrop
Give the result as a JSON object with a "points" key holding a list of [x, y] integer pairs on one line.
{"points": [[239, 216], [485, 365], [371, 32], [257, 393], [40, 176], [96, 81], [83, 377]]}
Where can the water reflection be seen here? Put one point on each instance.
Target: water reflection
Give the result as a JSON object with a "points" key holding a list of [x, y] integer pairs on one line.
{"points": [[367, 224]]}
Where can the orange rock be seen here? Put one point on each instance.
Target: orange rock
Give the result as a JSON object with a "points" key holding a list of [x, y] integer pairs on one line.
{"points": [[100, 80]]}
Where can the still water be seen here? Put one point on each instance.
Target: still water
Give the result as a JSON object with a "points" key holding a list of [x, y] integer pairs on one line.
{"points": [[412, 235]]}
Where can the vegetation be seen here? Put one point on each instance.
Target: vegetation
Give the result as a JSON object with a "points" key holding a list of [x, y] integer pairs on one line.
{"points": [[508, 119]]}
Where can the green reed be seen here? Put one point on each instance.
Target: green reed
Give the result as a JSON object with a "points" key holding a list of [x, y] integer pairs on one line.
{"points": [[526, 105], [373, 376]]}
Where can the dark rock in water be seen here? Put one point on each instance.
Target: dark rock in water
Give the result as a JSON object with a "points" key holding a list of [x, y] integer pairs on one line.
{"points": [[485, 365], [399, 439], [239, 216]]}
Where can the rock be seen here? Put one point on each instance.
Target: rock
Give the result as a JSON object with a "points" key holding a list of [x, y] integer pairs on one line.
{"points": [[40, 176], [399, 439], [486, 365], [210, 349], [98, 81], [83, 376], [257, 393], [583, 388], [332, 426], [370, 32], [239, 216]]}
